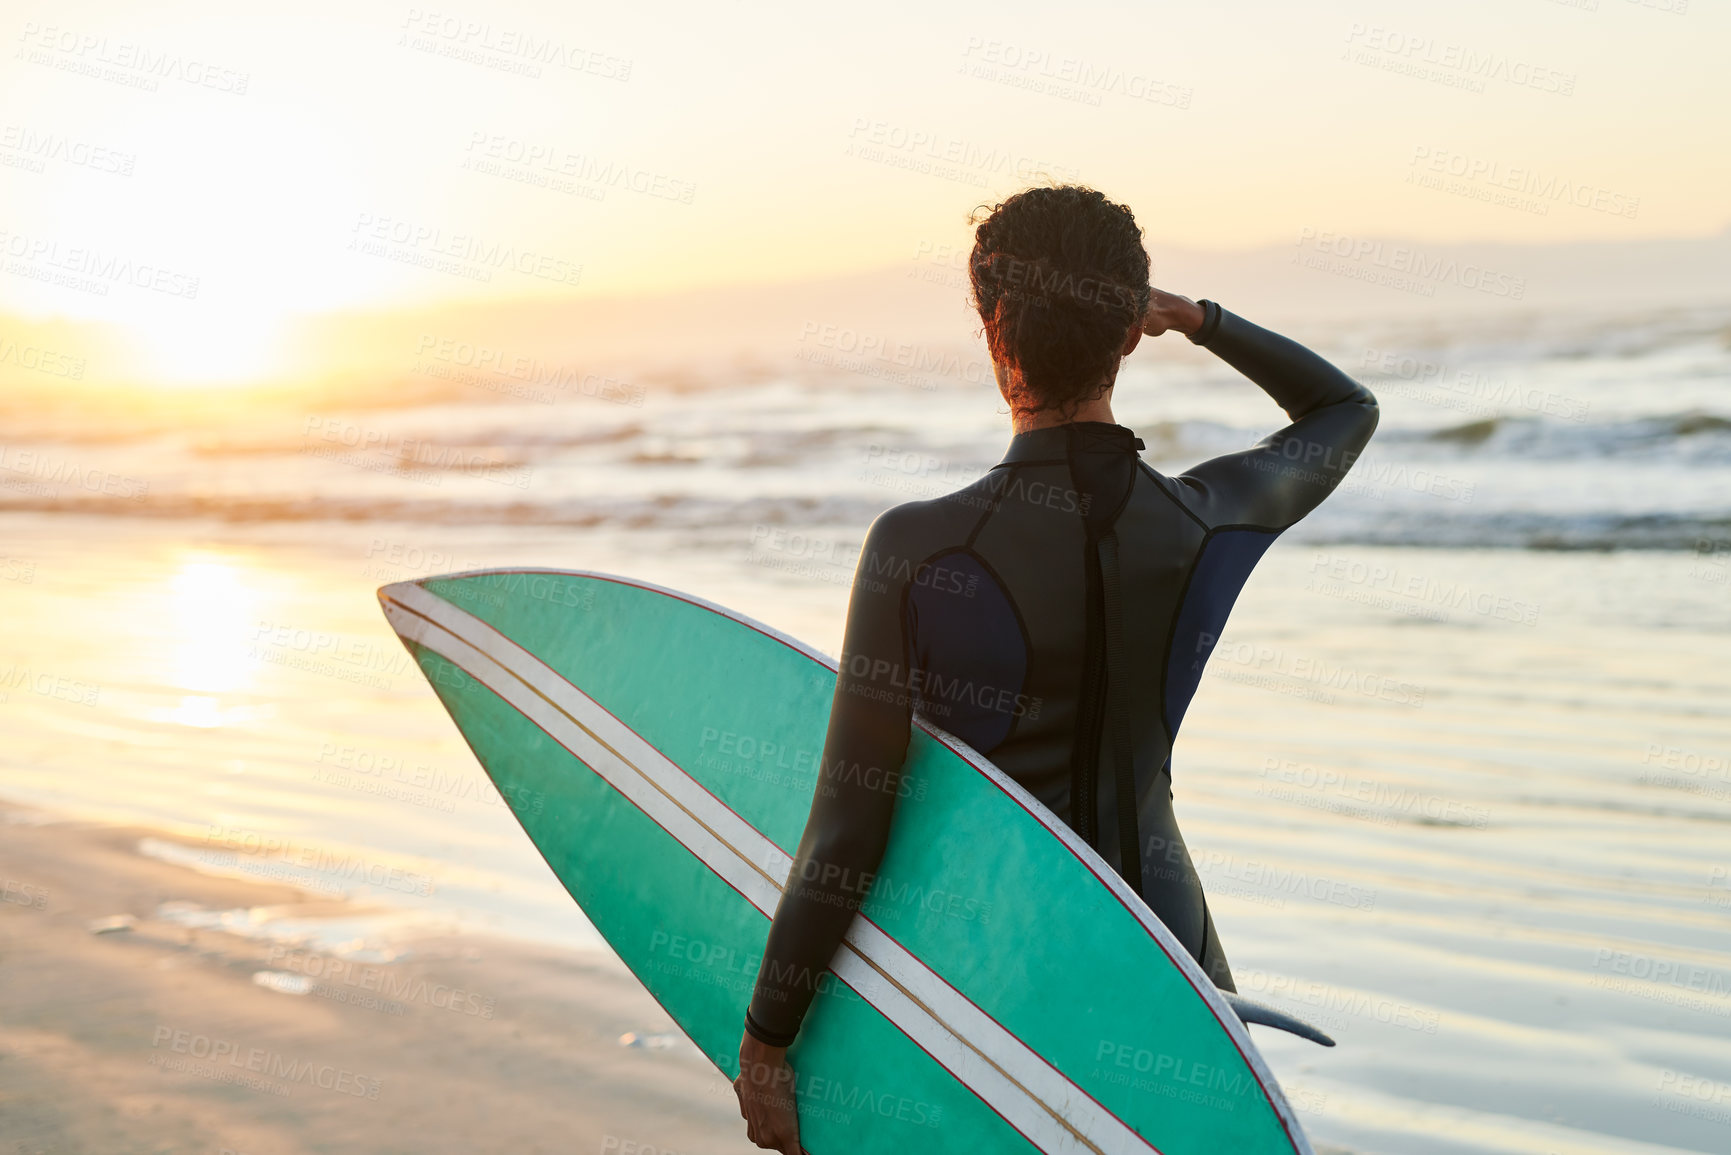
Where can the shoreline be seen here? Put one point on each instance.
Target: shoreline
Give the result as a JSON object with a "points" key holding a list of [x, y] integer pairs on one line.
{"points": [[151, 1007]]}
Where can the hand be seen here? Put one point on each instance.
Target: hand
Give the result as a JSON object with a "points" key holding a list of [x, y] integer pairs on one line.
{"points": [[766, 1102], [1171, 311]]}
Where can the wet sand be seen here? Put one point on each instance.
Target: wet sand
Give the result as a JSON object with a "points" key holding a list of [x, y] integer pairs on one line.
{"points": [[1464, 810], [159, 1037]]}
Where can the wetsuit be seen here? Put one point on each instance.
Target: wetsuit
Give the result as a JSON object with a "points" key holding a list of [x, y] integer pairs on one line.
{"points": [[1000, 613]]}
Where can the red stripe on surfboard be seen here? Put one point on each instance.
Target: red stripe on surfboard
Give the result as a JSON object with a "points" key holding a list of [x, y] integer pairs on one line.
{"points": [[1064, 834]]}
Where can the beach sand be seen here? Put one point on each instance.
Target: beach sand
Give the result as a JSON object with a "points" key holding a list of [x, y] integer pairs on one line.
{"points": [[160, 1038], [1465, 810]]}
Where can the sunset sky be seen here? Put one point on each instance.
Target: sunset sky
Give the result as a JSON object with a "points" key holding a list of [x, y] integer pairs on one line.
{"points": [[319, 157]]}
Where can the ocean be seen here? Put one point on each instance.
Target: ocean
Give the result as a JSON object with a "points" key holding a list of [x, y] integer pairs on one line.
{"points": [[1458, 777]]}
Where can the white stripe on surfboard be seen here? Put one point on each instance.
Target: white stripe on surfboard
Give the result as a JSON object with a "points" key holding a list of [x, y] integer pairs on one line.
{"points": [[1047, 1108], [1089, 857]]}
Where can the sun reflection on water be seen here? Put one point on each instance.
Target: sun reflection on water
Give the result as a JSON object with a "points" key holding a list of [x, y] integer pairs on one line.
{"points": [[212, 613]]}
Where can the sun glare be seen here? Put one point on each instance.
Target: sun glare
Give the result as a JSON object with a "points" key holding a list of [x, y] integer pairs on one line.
{"points": [[212, 608], [213, 348]]}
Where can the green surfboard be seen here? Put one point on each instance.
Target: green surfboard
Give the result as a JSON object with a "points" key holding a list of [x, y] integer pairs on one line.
{"points": [[1001, 991]]}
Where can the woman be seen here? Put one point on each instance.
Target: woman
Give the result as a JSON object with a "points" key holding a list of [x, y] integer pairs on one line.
{"points": [[1057, 614]]}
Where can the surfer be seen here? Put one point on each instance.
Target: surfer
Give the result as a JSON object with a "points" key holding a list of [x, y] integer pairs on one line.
{"points": [[1057, 614]]}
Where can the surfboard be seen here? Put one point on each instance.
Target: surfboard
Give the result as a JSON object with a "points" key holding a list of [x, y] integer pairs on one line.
{"points": [[1002, 990]]}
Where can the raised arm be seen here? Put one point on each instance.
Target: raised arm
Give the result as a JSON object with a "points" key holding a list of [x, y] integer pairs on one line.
{"points": [[1289, 473], [845, 835]]}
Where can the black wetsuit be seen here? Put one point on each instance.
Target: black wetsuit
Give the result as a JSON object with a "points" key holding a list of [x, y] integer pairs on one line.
{"points": [[999, 611]]}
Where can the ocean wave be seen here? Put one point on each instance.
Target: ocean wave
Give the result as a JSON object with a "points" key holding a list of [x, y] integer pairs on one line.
{"points": [[661, 512], [1690, 437], [1706, 534], [1547, 335], [515, 441]]}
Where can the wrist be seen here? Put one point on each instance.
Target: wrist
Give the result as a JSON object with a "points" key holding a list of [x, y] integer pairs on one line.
{"points": [[1211, 314], [757, 1051], [761, 1036]]}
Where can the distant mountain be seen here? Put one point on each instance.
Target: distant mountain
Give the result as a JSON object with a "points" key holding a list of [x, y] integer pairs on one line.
{"points": [[918, 310]]}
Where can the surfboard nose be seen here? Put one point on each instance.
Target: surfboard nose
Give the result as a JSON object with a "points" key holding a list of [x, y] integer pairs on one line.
{"points": [[395, 591], [393, 600]]}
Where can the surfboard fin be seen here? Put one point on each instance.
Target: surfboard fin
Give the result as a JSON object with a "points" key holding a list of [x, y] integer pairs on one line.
{"points": [[1252, 1012]]}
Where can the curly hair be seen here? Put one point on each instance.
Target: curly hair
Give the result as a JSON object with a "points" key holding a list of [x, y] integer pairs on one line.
{"points": [[1059, 277]]}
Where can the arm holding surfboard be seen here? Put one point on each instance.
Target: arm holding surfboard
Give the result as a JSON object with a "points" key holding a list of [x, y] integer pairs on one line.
{"points": [[845, 835]]}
